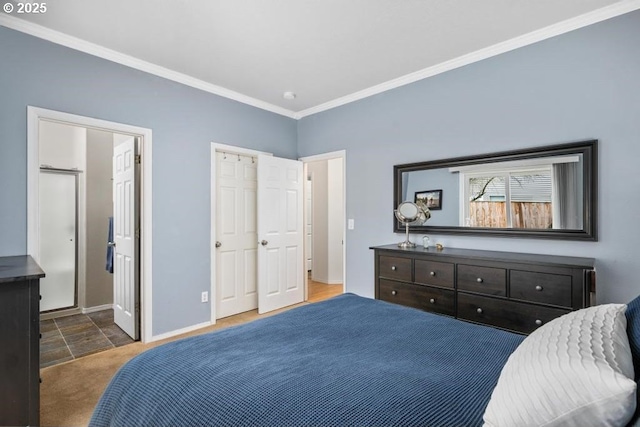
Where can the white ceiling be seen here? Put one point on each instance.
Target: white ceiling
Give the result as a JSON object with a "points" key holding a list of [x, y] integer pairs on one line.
{"points": [[326, 51]]}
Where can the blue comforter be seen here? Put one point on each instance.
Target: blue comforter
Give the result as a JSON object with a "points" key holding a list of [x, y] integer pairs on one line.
{"points": [[348, 361]]}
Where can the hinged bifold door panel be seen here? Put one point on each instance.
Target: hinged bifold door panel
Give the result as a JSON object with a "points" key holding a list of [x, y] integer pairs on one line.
{"points": [[280, 233]]}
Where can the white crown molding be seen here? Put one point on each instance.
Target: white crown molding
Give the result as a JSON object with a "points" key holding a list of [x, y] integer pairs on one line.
{"points": [[566, 26], [138, 64], [617, 9]]}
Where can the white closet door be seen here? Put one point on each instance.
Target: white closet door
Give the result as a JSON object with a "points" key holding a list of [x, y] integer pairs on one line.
{"points": [[58, 240], [236, 257], [281, 233]]}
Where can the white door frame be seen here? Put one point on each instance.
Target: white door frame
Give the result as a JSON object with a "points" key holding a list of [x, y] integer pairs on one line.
{"points": [[229, 149], [34, 115], [341, 154]]}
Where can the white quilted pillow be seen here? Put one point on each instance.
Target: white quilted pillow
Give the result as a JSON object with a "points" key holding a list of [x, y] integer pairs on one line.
{"points": [[574, 371]]}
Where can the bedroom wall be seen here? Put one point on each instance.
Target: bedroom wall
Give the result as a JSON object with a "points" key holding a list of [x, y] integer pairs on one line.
{"points": [[184, 121], [577, 86]]}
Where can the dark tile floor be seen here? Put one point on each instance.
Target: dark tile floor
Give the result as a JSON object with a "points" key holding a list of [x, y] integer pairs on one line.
{"points": [[71, 337]]}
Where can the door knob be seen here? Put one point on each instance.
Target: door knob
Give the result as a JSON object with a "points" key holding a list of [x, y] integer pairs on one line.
{"points": [[111, 244], [264, 243], [218, 244]]}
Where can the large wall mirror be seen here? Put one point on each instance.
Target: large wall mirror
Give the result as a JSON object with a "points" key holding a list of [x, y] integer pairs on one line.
{"points": [[545, 192]]}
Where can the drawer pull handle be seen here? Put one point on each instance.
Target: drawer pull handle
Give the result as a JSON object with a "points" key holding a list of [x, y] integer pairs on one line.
{"points": [[394, 292], [433, 273], [479, 280], [432, 300], [394, 268], [479, 310], [538, 322], [538, 288]]}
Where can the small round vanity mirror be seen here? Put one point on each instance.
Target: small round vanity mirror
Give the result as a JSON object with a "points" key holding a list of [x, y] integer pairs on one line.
{"points": [[409, 213]]}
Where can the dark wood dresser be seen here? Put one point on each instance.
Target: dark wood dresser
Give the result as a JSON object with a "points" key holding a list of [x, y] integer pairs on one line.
{"points": [[513, 291], [19, 341]]}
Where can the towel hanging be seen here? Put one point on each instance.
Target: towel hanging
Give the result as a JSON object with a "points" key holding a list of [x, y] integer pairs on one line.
{"points": [[110, 246]]}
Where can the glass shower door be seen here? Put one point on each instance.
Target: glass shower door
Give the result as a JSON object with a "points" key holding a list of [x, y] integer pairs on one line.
{"points": [[58, 217]]}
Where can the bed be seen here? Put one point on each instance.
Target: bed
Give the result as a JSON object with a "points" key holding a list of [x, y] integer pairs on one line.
{"points": [[347, 361]]}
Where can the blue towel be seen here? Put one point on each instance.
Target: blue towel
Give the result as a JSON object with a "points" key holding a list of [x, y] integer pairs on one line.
{"points": [[109, 266]]}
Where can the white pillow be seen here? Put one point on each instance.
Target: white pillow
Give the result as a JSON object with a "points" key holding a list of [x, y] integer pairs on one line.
{"points": [[576, 370]]}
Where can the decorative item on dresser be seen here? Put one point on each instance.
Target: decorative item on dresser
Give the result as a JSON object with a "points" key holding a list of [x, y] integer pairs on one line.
{"points": [[513, 291], [411, 213], [19, 341]]}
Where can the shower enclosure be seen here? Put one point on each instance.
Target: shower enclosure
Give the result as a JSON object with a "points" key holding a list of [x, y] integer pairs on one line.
{"points": [[59, 238]]}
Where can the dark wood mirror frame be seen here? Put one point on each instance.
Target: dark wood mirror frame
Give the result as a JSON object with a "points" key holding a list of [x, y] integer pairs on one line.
{"points": [[589, 151]]}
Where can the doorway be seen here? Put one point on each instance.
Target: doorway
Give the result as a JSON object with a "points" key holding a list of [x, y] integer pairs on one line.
{"points": [[245, 208], [40, 155], [325, 225]]}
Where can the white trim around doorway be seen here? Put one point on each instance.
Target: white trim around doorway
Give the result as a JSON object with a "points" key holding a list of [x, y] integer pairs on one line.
{"points": [[34, 115]]}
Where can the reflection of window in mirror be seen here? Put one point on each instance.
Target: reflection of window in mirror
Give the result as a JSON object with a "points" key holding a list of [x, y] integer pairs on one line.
{"points": [[519, 194]]}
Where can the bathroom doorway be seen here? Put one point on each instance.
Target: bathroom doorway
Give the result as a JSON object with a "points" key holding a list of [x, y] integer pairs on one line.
{"points": [[90, 292], [325, 225], [78, 193]]}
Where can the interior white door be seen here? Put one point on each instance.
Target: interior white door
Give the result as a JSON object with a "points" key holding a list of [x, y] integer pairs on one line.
{"points": [[236, 234], [125, 265], [58, 239], [281, 233]]}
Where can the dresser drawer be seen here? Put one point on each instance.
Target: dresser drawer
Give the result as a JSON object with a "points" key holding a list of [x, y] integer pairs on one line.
{"points": [[540, 287], [484, 280], [511, 315], [395, 268], [418, 296], [434, 273]]}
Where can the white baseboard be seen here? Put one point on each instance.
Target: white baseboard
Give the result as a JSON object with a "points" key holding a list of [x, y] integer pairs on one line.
{"points": [[97, 308], [328, 282], [180, 331]]}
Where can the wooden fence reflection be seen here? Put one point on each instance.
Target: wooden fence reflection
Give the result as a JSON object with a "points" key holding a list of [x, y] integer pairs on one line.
{"points": [[524, 214]]}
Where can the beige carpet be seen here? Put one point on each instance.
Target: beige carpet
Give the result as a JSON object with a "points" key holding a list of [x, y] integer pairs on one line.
{"points": [[70, 391]]}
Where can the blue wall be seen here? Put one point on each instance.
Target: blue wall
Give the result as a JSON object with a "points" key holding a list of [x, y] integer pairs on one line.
{"points": [[580, 85], [184, 122], [577, 86]]}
